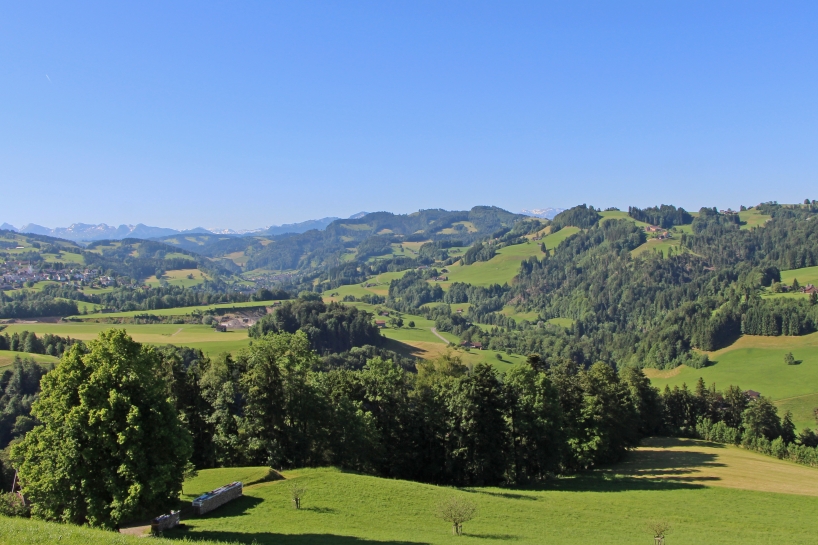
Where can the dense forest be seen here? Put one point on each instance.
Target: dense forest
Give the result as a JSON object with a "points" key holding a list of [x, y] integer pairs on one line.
{"points": [[651, 310]]}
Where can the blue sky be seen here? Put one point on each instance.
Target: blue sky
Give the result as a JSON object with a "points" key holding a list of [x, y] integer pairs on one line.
{"points": [[246, 114]]}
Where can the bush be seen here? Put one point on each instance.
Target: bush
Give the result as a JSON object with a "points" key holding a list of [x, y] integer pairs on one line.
{"points": [[12, 505], [718, 432]]}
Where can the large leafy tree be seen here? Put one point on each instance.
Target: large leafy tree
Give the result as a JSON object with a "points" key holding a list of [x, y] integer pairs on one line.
{"points": [[110, 445]]}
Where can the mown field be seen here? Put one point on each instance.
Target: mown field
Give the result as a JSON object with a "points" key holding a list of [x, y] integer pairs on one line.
{"points": [[203, 337], [757, 363], [807, 275], [178, 311], [709, 493], [179, 278], [7, 357]]}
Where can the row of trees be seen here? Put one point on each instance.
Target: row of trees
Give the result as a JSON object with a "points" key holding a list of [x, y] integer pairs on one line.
{"points": [[90, 455], [27, 341], [330, 328]]}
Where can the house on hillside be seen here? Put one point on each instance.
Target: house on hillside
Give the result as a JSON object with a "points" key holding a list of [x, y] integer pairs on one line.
{"points": [[810, 289], [752, 395], [380, 324], [652, 229]]}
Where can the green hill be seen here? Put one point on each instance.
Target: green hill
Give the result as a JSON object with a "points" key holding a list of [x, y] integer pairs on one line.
{"points": [[757, 363], [708, 493]]}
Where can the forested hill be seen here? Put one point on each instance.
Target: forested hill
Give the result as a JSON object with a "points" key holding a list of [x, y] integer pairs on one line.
{"points": [[343, 240], [651, 308]]}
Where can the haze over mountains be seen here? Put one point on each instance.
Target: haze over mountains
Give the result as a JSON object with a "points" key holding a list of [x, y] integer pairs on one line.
{"points": [[84, 232]]}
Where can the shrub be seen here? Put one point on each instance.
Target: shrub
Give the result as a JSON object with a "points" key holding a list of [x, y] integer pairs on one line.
{"points": [[12, 505]]}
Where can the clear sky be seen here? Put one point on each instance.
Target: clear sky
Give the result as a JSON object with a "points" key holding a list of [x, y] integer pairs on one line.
{"points": [[247, 114]]}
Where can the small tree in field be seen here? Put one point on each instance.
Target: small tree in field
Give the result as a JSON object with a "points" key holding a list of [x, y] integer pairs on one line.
{"points": [[456, 511], [789, 359], [297, 492], [659, 529]]}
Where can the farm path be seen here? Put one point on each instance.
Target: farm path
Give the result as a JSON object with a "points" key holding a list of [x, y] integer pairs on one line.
{"points": [[439, 336], [177, 332]]}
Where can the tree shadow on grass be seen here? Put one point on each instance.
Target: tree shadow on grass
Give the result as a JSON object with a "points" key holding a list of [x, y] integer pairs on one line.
{"points": [[498, 537], [236, 508], [321, 510], [271, 538], [664, 464]]}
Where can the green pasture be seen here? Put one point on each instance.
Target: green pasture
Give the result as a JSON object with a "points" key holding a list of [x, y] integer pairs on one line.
{"points": [[708, 493], [500, 269], [511, 312], [752, 218], [662, 246], [178, 311], [609, 506], [204, 337], [620, 215], [807, 275], [179, 278], [64, 257], [757, 363], [7, 357], [562, 322]]}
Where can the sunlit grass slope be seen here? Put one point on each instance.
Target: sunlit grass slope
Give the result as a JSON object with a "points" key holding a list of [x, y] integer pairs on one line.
{"points": [[709, 493], [194, 335], [757, 363], [7, 357]]}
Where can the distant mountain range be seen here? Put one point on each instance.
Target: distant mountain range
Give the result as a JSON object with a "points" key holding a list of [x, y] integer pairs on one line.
{"points": [[84, 232], [547, 213]]}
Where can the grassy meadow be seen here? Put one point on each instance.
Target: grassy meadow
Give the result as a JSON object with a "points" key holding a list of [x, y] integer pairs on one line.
{"points": [[757, 363], [179, 278], [178, 311], [807, 275], [203, 337], [7, 357]]}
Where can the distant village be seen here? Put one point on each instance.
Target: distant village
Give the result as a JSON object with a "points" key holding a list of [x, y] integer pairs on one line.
{"points": [[20, 274]]}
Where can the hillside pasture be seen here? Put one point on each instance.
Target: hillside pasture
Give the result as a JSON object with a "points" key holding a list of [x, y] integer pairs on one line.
{"points": [[620, 215], [665, 247], [757, 363], [179, 278], [203, 337], [753, 218], [709, 493], [500, 269], [7, 357], [177, 311], [807, 275]]}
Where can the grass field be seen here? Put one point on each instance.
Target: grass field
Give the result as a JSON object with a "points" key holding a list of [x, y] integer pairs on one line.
{"points": [[203, 337], [178, 311], [709, 493], [757, 363], [752, 218], [7, 357], [656, 245], [511, 312], [807, 275], [620, 215], [179, 278]]}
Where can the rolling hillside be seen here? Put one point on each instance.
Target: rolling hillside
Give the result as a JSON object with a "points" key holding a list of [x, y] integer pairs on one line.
{"points": [[707, 492]]}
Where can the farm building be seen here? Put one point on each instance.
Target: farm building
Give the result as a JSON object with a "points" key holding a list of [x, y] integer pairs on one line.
{"points": [[752, 394], [216, 498], [380, 324]]}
